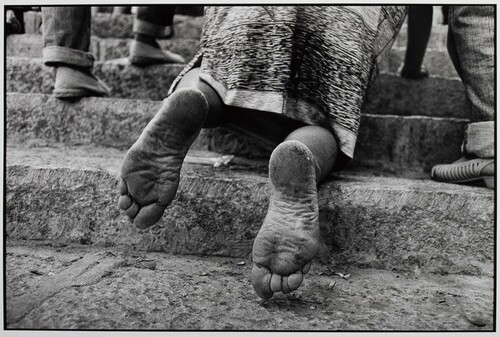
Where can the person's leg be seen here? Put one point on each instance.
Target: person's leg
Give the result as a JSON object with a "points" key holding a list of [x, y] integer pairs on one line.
{"points": [[150, 23], [14, 21], [471, 47], [66, 35], [289, 237], [419, 30], [120, 10], [151, 169]]}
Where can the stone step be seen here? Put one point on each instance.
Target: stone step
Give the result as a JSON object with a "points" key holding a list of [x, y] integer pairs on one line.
{"points": [[402, 145], [436, 61], [69, 195], [30, 46], [120, 26], [390, 94], [80, 287]]}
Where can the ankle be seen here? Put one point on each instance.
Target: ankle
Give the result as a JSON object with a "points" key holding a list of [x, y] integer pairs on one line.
{"points": [[147, 39], [83, 70]]}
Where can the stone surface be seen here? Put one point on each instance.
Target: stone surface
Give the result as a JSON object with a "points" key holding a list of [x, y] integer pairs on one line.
{"points": [[436, 61], [402, 145], [407, 143], [389, 94], [70, 195], [143, 291], [434, 96]]}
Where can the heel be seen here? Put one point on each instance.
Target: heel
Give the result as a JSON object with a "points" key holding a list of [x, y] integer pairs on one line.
{"points": [[489, 182]]}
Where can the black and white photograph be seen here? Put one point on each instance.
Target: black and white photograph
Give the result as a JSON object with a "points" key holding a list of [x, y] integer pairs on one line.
{"points": [[249, 167]]}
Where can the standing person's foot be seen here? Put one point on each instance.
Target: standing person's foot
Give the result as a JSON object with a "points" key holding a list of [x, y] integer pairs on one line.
{"points": [[466, 170], [150, 172], [413, 74], [289, 237], [143, 54], [74, 83]]}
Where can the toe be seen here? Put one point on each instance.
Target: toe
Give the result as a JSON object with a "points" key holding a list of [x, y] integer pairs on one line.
{"points": [[284, 285], [306, 267], [148, 216], [295, 280], [132, 210], [261, 279], [275, 283], [124, 202], [122, 186]]}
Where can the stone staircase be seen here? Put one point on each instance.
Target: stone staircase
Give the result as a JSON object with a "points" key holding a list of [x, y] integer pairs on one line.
{"points": [[63, 161]]}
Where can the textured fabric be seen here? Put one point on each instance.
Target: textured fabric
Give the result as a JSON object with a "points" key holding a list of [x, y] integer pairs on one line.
{"points": [[479, 140], [471, 44], [309, 63]]}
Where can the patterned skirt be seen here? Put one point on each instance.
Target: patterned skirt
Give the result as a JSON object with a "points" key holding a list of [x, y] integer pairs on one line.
{"points": [[309, 63]]}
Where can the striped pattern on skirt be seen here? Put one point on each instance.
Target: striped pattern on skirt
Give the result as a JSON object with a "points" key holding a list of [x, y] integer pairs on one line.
{"points": [[309, 63]]}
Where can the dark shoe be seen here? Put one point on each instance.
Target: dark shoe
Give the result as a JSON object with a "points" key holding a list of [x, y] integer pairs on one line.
{"points": [[143, 54], [466, 170], [413, 75], [73, 83]]}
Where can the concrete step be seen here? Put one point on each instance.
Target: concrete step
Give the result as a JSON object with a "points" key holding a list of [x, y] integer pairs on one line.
{"points": [[68, 195], [436, 61], [75, 287], [403, 145], [30, 46], [390, 94], [120, 26]]}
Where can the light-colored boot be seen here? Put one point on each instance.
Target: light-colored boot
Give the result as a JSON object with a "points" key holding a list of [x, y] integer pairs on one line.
{"points": [[143, 54], [72, 83]]}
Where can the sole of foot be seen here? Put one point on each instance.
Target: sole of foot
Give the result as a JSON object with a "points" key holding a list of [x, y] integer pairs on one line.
{"points": [[150, 172], [289, 237]]}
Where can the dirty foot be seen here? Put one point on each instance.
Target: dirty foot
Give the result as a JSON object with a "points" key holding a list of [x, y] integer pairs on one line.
{"points": [[151, 169], [289, 236]]}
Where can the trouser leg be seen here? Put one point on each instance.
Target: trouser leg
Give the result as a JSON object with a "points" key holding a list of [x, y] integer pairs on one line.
{"points": [[154, 20], [471, 47], [66, 35]]}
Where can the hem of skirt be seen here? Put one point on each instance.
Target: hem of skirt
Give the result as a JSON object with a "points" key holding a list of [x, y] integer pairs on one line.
{"points": [[274, 102]]}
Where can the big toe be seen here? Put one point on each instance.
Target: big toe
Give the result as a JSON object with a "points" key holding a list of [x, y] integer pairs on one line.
{"points": [[295, 280], [148, 216], [261, 281]]}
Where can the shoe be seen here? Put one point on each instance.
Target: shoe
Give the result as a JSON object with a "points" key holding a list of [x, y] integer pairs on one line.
{"points": [[143, 54], [466, 170], [73, 83]]}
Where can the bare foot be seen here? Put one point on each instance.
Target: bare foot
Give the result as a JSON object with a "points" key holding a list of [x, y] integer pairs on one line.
{"points": [[289, 237], [151, 169]]}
